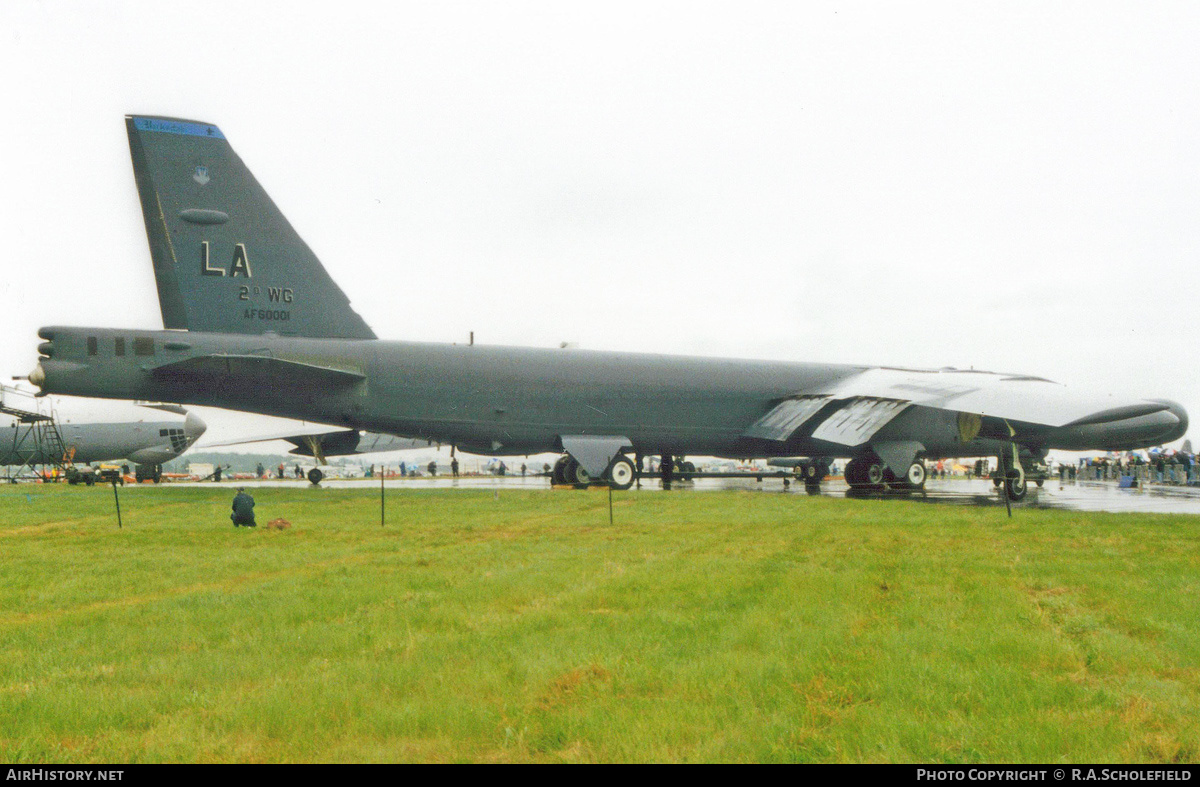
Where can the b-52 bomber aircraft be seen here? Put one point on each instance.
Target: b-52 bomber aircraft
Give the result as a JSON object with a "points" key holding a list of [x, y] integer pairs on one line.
{"points": [[255, 323]]}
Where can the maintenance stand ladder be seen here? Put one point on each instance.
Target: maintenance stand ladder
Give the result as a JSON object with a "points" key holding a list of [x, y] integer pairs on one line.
{"points": [[36, 438]]}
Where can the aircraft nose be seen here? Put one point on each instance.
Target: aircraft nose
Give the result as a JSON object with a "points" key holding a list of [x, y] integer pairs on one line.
{"points": [[193, 427]]}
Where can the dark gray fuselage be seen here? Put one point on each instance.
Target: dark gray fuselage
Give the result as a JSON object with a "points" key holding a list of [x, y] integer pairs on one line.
{"points": [[503, 400], [484, 399]]}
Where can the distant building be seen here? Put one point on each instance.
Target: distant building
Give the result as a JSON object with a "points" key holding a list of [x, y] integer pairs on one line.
{"points": [[201, 469]]}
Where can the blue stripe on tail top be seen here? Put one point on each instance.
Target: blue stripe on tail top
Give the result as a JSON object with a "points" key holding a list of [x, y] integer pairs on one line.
{"points": [[178, 127]]}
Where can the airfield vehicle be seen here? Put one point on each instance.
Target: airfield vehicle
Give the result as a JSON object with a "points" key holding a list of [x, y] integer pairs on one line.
{"points": [[88, 475], [40, 436]]}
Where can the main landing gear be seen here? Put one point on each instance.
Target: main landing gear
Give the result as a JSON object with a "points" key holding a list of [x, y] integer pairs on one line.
{"points": [[869, 473], [812, 473], [620, 474]]}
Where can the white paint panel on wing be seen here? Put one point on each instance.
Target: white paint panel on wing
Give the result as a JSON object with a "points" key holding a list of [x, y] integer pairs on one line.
{"points": [[786, 417], [858, 421], [1009, 396]]}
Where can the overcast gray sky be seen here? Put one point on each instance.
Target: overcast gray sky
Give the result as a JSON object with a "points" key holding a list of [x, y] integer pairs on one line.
{"points": [[1010, 185]]}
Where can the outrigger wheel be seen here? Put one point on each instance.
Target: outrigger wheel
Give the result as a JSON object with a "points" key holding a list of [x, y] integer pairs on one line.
{"points": [[1015, 484]]}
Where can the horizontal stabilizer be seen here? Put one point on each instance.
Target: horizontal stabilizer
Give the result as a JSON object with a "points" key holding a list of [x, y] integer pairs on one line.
{"points": [[351, 442], [339, 442], [278, 370]]}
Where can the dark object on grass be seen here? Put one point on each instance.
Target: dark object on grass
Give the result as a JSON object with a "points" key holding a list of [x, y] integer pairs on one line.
{"points": [[243, 509]]}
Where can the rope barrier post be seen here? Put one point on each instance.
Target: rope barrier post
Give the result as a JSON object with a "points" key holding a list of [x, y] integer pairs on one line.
{"points": [[118, 499]]}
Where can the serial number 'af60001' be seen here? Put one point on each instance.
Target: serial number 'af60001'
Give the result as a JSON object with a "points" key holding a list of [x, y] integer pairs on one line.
{"points": [[257, 324]]}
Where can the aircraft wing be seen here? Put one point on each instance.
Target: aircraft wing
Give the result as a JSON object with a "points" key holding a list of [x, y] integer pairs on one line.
{"points": [[1012, 397], [851, 410]]}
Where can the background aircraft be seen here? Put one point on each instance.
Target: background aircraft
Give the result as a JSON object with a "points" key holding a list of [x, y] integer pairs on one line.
{"points": [[268, 331], [320, 444], [38, 436]]}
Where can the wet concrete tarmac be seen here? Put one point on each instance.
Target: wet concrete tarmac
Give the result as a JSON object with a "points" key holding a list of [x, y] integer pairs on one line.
{"points": [[1068, 497], [1086, 496]]}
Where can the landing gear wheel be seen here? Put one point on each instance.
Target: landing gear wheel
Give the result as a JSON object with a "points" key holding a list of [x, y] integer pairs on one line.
{"points": [[1016, 485], [874, 475], [558, 476], [814, 472], [916, 475], [575, 474], [315, 476], [854, 473], [621, 473]]}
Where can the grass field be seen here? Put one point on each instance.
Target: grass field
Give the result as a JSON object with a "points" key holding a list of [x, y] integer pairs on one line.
{"points": [[699, 627]]}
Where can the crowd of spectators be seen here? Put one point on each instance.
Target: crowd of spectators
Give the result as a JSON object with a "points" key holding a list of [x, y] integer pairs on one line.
{"points": [[1157, 466]]}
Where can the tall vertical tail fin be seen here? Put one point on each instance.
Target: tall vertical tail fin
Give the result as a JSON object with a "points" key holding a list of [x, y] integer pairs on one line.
{"points": [[225, 258]]}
